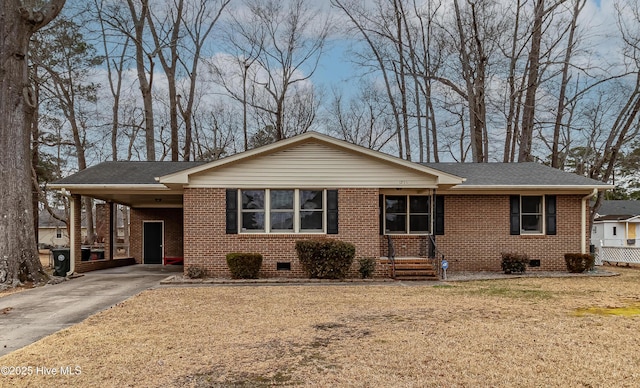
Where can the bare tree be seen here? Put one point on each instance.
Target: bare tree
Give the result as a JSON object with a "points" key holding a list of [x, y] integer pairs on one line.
{"points": [[244, 41], [626, 124], [295, 36], [578, 5], [198, 23], [115, 58], [66, 57], [166, 48], [376, 33], [139, 16], [19, 259], [363, 119]]}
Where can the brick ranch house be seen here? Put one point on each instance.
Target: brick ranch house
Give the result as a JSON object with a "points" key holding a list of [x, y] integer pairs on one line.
{"points": [[313, 185]]}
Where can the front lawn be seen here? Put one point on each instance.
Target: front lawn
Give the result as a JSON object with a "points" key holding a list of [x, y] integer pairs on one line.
{"points": [[518, 332]]}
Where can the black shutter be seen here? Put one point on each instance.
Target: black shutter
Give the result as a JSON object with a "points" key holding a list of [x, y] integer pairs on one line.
{"points": [[381, 212], [439, 215], [550, 201], [232, 211], [332, 211], [515, 214]]}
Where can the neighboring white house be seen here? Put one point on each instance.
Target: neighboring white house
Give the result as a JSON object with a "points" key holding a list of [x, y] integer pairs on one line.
{"points": [[616, 224], [51, 231]]}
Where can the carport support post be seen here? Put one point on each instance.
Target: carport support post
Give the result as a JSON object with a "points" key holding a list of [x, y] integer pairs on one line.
{"points": [[104, 227], [75, 235]]}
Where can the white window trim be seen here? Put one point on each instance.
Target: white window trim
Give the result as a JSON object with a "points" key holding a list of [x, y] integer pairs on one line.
{"points": [[408, 214], [543, 214], [296, 213]]}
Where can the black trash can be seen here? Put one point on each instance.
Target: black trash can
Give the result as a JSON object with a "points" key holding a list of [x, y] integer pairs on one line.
{"points": [[61, 261], [85, 254]]}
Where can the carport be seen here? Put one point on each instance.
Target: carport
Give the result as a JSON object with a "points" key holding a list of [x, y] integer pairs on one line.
{"points": [[156, 216]]}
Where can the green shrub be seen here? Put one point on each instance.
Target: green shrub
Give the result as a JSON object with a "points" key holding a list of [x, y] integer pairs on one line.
{"points": [[579, 262], [367, 266], [244, 265], [514, 262], [195, 272], [325, 258]]}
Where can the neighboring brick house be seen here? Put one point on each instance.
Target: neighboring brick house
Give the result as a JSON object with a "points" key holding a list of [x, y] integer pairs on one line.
{"points": [[312, 185]]}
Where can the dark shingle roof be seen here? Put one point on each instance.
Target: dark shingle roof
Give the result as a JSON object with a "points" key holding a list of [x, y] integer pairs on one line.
{"points": [[125, 172], [46, 220], [613, 209], [512, 174], [476, 174]]}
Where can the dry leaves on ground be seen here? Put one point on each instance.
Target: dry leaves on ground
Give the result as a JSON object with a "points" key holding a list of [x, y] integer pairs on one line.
{"points": [[517, 332]]}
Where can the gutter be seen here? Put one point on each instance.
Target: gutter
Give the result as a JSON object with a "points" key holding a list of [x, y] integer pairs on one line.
{"points": [[583, 226]]}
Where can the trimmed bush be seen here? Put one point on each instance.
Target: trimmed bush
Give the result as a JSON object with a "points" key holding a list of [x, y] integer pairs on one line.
{"points": [[579, 262], [324, 258], [514, 262], [195, 272], [367, 266], [244, 265]]}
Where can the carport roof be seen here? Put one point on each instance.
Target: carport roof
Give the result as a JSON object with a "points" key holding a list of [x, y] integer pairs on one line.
{"points": [[124, 173]]}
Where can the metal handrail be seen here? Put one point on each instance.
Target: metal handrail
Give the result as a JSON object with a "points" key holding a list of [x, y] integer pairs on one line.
{"points": [[391, 252], [435, 255]]}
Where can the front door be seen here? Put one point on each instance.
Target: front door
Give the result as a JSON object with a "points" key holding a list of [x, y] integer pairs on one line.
{"points": [[152, 242]]}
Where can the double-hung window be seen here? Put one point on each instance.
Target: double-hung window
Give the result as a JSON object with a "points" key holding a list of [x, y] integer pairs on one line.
{"points": [[311, 210], [253, 210], [283, 211], [531, 214], [409, 214]]}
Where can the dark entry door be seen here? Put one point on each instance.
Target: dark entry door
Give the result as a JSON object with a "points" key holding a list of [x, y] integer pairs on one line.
{"points": [[152, 236]]}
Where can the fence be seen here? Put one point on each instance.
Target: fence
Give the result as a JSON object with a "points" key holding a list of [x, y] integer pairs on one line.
{"points": [[617, 255]]}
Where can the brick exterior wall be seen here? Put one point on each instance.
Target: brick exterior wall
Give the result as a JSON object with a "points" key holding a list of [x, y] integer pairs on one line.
{"points": [[206, 243], [473, 239], [173, 231]]}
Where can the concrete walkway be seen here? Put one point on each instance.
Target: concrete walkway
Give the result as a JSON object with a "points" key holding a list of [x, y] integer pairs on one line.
{"points": [[27, 316]]}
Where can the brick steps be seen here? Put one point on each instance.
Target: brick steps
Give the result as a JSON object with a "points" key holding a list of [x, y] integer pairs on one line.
{"points": [[411, 269]]}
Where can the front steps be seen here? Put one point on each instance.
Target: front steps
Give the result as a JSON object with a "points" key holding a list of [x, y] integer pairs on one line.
{"points": [[414, 268]]}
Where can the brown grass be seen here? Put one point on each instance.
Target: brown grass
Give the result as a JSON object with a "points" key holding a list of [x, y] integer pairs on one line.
{"points": [[518, 332]]}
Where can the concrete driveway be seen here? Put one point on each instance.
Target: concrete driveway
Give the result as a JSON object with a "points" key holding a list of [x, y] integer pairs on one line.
{"points": [[29, 315]]}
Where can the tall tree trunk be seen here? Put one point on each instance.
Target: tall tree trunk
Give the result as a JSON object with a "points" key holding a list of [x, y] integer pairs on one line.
{"points": [[169, 66], [555, 154], [35, 157], [19, 259], [514, 93], [474, 80], [145, 84], [379, 56], [402, 84], [528, 112]]}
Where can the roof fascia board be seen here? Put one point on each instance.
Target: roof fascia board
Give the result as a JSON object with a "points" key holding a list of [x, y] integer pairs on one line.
{"points": [[106, 186], [348, 186], [515, 190], [580, 188]]}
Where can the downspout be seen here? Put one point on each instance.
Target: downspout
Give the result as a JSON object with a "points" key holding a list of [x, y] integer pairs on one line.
{"points": [[72, 234], [583, 228]]}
